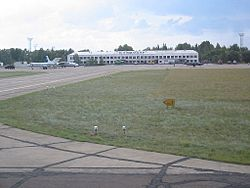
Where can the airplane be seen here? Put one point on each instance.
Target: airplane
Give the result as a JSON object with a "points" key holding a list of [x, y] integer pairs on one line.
{"points": [[46, 65], [68, 64]]}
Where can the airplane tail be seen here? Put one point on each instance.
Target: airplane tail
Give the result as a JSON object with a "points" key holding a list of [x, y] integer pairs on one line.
{"points": [[54, 61], [48, 60]]}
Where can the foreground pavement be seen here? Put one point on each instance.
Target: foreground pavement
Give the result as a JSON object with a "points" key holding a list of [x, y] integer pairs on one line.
{"points": [[29, 160]]}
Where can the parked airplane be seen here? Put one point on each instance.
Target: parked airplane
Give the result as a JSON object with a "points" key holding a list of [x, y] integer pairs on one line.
{"points": [[45, 65]]}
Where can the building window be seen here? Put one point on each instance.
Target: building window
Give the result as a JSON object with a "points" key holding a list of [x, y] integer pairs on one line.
{"points": [[168, 57]]}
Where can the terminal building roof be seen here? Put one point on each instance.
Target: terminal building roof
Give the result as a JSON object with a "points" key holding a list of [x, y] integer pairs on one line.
{"points": [[159, 52]]}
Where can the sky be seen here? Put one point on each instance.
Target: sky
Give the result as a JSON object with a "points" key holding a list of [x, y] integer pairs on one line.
{"points": [[106, 24]]}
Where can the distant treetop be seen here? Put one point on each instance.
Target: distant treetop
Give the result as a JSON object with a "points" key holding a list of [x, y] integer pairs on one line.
{"points": [[125, 47]]}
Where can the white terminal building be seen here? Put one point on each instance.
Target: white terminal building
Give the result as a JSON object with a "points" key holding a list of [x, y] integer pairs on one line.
{"points": [[139, 57]]}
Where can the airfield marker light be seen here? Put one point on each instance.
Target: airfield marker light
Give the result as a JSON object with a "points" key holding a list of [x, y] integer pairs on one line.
{"points": [[95, 129], [124, 129]]}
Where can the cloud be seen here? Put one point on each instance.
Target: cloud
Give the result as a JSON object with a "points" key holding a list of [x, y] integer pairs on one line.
{"points": [[157, 21], [104, 25]]}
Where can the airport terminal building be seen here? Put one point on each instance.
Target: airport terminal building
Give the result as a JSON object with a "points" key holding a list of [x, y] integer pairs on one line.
{"points": [[139, 57]]}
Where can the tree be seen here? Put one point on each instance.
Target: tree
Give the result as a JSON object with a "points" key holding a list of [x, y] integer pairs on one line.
{"points": [[147, 49], [5, 57], [184, 46], [235, 48], [246, 56], [84, 50], [232, 55], [204, 50], [76, 58], [91, 62], [125, 47], [218, 46]]}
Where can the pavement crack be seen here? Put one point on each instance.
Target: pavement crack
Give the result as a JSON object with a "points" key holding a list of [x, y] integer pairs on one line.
{"points": [[65, 150], [103, 151], [16, 139], [157, 180], [17, 147]]}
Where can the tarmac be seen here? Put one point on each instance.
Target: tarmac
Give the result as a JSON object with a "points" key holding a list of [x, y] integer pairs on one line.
{"points": [[29, 160], [32, 160]]}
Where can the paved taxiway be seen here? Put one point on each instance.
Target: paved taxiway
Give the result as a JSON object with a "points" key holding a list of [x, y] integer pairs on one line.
{"points": [[10, 87]]}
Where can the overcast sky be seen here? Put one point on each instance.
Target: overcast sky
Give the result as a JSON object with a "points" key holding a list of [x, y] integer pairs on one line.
{"points": [[105, 24]]}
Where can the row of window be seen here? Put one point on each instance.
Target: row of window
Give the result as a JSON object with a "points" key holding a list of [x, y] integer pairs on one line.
{"points": [[139, 57], [141, 61]]}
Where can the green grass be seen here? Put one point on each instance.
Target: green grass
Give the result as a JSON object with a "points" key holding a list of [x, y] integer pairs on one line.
{"points": [[211, 119], [16, 74]]}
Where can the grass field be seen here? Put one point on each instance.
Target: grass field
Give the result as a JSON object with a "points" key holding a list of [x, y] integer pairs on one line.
{"points": [[211, 119], [16, 74]]}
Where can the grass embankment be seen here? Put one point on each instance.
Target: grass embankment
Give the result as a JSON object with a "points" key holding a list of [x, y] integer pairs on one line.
{"points": [[17, 74], [211, 119]]}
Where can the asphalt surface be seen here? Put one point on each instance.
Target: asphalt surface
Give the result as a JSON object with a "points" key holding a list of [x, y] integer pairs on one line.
{"points": [[29, 159]]}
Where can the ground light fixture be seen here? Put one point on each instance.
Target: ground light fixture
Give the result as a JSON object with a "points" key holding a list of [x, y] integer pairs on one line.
{"points": [[124, 129], [95, 129]]}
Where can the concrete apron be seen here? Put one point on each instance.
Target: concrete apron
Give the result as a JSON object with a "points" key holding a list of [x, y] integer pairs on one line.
{"points": [[26, 154]]}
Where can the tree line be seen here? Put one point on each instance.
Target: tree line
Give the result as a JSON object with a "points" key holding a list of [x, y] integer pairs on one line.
{"points": [[9, 56], [208, 53]]}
